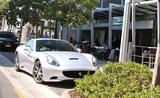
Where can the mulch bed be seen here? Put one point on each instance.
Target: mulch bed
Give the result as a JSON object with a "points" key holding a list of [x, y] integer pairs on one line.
{"points": [[74, 94]]}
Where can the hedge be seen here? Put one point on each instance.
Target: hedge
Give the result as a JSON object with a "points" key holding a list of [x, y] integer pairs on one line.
{"points": [[119, 80]]}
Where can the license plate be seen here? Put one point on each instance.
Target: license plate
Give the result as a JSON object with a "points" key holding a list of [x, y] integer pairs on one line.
{"points": [[8, 45]]}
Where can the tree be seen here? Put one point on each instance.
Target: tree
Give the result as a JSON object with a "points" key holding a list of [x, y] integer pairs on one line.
{"points": [[20, 12], [76, 12], [3, 5], [69, 12], [26, 10]]}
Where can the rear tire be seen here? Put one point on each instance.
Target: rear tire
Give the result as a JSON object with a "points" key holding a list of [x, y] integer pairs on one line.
{"points": [[37, 72]]}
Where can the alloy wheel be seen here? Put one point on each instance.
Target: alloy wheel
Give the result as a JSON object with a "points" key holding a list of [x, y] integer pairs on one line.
{"points": [[37, 72]]}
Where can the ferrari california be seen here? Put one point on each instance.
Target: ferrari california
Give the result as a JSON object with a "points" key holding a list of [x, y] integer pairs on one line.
{"points": [[55, 60]]}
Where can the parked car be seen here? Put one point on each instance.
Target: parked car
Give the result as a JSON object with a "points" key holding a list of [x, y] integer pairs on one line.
{"points": [[53, 60], [8, 40]]}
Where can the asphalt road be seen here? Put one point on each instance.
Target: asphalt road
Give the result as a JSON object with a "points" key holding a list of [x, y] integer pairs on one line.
{"points": [[24, 84]]}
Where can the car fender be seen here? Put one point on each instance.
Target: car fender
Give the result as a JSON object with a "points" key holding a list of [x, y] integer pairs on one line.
{"points": [[88, 57]]}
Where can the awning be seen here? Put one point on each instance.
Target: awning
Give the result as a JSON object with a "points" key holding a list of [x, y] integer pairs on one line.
{"points": [[142, 8]]}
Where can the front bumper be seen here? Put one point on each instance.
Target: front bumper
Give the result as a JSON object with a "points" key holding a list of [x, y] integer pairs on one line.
{"points": [[8, 45], [53, 74]]}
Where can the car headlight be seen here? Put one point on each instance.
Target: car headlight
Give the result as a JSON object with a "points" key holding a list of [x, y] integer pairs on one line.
{"points": [[94, 61], [51, 61]]}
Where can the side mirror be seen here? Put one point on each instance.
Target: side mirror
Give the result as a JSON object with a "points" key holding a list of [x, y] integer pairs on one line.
{"points": [[79, 50]]}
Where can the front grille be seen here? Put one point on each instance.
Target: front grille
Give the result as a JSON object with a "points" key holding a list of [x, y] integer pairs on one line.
{"points": [[77, 74]]}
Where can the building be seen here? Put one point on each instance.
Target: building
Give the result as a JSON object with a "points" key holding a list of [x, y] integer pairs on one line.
{"points": [[107, 25], [100, 25]]}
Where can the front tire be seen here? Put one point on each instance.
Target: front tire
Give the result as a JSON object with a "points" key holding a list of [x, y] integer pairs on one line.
{"points": [[37, 72], [16, 58]]}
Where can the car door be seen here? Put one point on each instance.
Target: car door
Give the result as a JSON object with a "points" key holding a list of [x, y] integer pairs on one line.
{"points": [[28, 56]]}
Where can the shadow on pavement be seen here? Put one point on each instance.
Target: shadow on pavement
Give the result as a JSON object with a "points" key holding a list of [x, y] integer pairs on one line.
{"points": [[7, 58], [68, 84]]}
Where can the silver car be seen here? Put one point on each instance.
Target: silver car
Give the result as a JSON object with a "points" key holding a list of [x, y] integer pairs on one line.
{"points": [[53, 60]]}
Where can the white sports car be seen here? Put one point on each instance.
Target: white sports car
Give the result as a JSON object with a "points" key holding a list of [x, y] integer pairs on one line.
{"points": [[53, 60]]}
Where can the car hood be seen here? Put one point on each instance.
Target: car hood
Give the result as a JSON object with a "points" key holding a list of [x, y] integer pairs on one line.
{"points": [[72, 60], [8, 39]]}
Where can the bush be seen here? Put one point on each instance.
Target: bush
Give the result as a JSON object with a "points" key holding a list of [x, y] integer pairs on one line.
{"points": [[127, 80]]}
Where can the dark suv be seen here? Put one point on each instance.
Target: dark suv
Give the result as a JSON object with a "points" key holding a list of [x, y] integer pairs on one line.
{"points": [[8, 40]]}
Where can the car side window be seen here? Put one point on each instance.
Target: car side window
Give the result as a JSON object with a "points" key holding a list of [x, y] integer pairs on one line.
{"points": [[30, 44]]}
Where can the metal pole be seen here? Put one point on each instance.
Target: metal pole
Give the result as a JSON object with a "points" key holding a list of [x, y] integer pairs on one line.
{"points": [[78, 34], [50, 28], [146, 2], [133, 27], [92, 30], [92, 34], [125, 32], [122, 2], [101, 3], [56, 30], [110, 27]]}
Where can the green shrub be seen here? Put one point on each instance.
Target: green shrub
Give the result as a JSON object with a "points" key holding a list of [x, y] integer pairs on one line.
{"points": [[126, 80]]}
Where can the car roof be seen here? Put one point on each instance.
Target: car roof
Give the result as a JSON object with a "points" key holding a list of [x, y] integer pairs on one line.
{"points": [[48, 39]]}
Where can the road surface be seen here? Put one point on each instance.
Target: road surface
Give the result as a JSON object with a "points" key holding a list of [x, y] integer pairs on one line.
{"points": [[6, 88], [23, 85]]}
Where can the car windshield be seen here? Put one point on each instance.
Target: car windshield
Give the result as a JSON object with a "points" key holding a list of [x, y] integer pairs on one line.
{"points": [[54, 45], [7, 35]]}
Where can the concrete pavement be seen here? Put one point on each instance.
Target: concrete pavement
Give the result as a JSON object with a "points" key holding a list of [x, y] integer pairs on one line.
{"points": [[23, 83], [6, 88]]}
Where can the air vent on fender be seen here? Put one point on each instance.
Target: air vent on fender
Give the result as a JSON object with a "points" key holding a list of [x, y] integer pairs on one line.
{"points": [[73, 58]]}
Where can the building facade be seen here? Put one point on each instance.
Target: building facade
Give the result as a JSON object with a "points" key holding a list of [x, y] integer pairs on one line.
{"points": [[107, 25]]}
